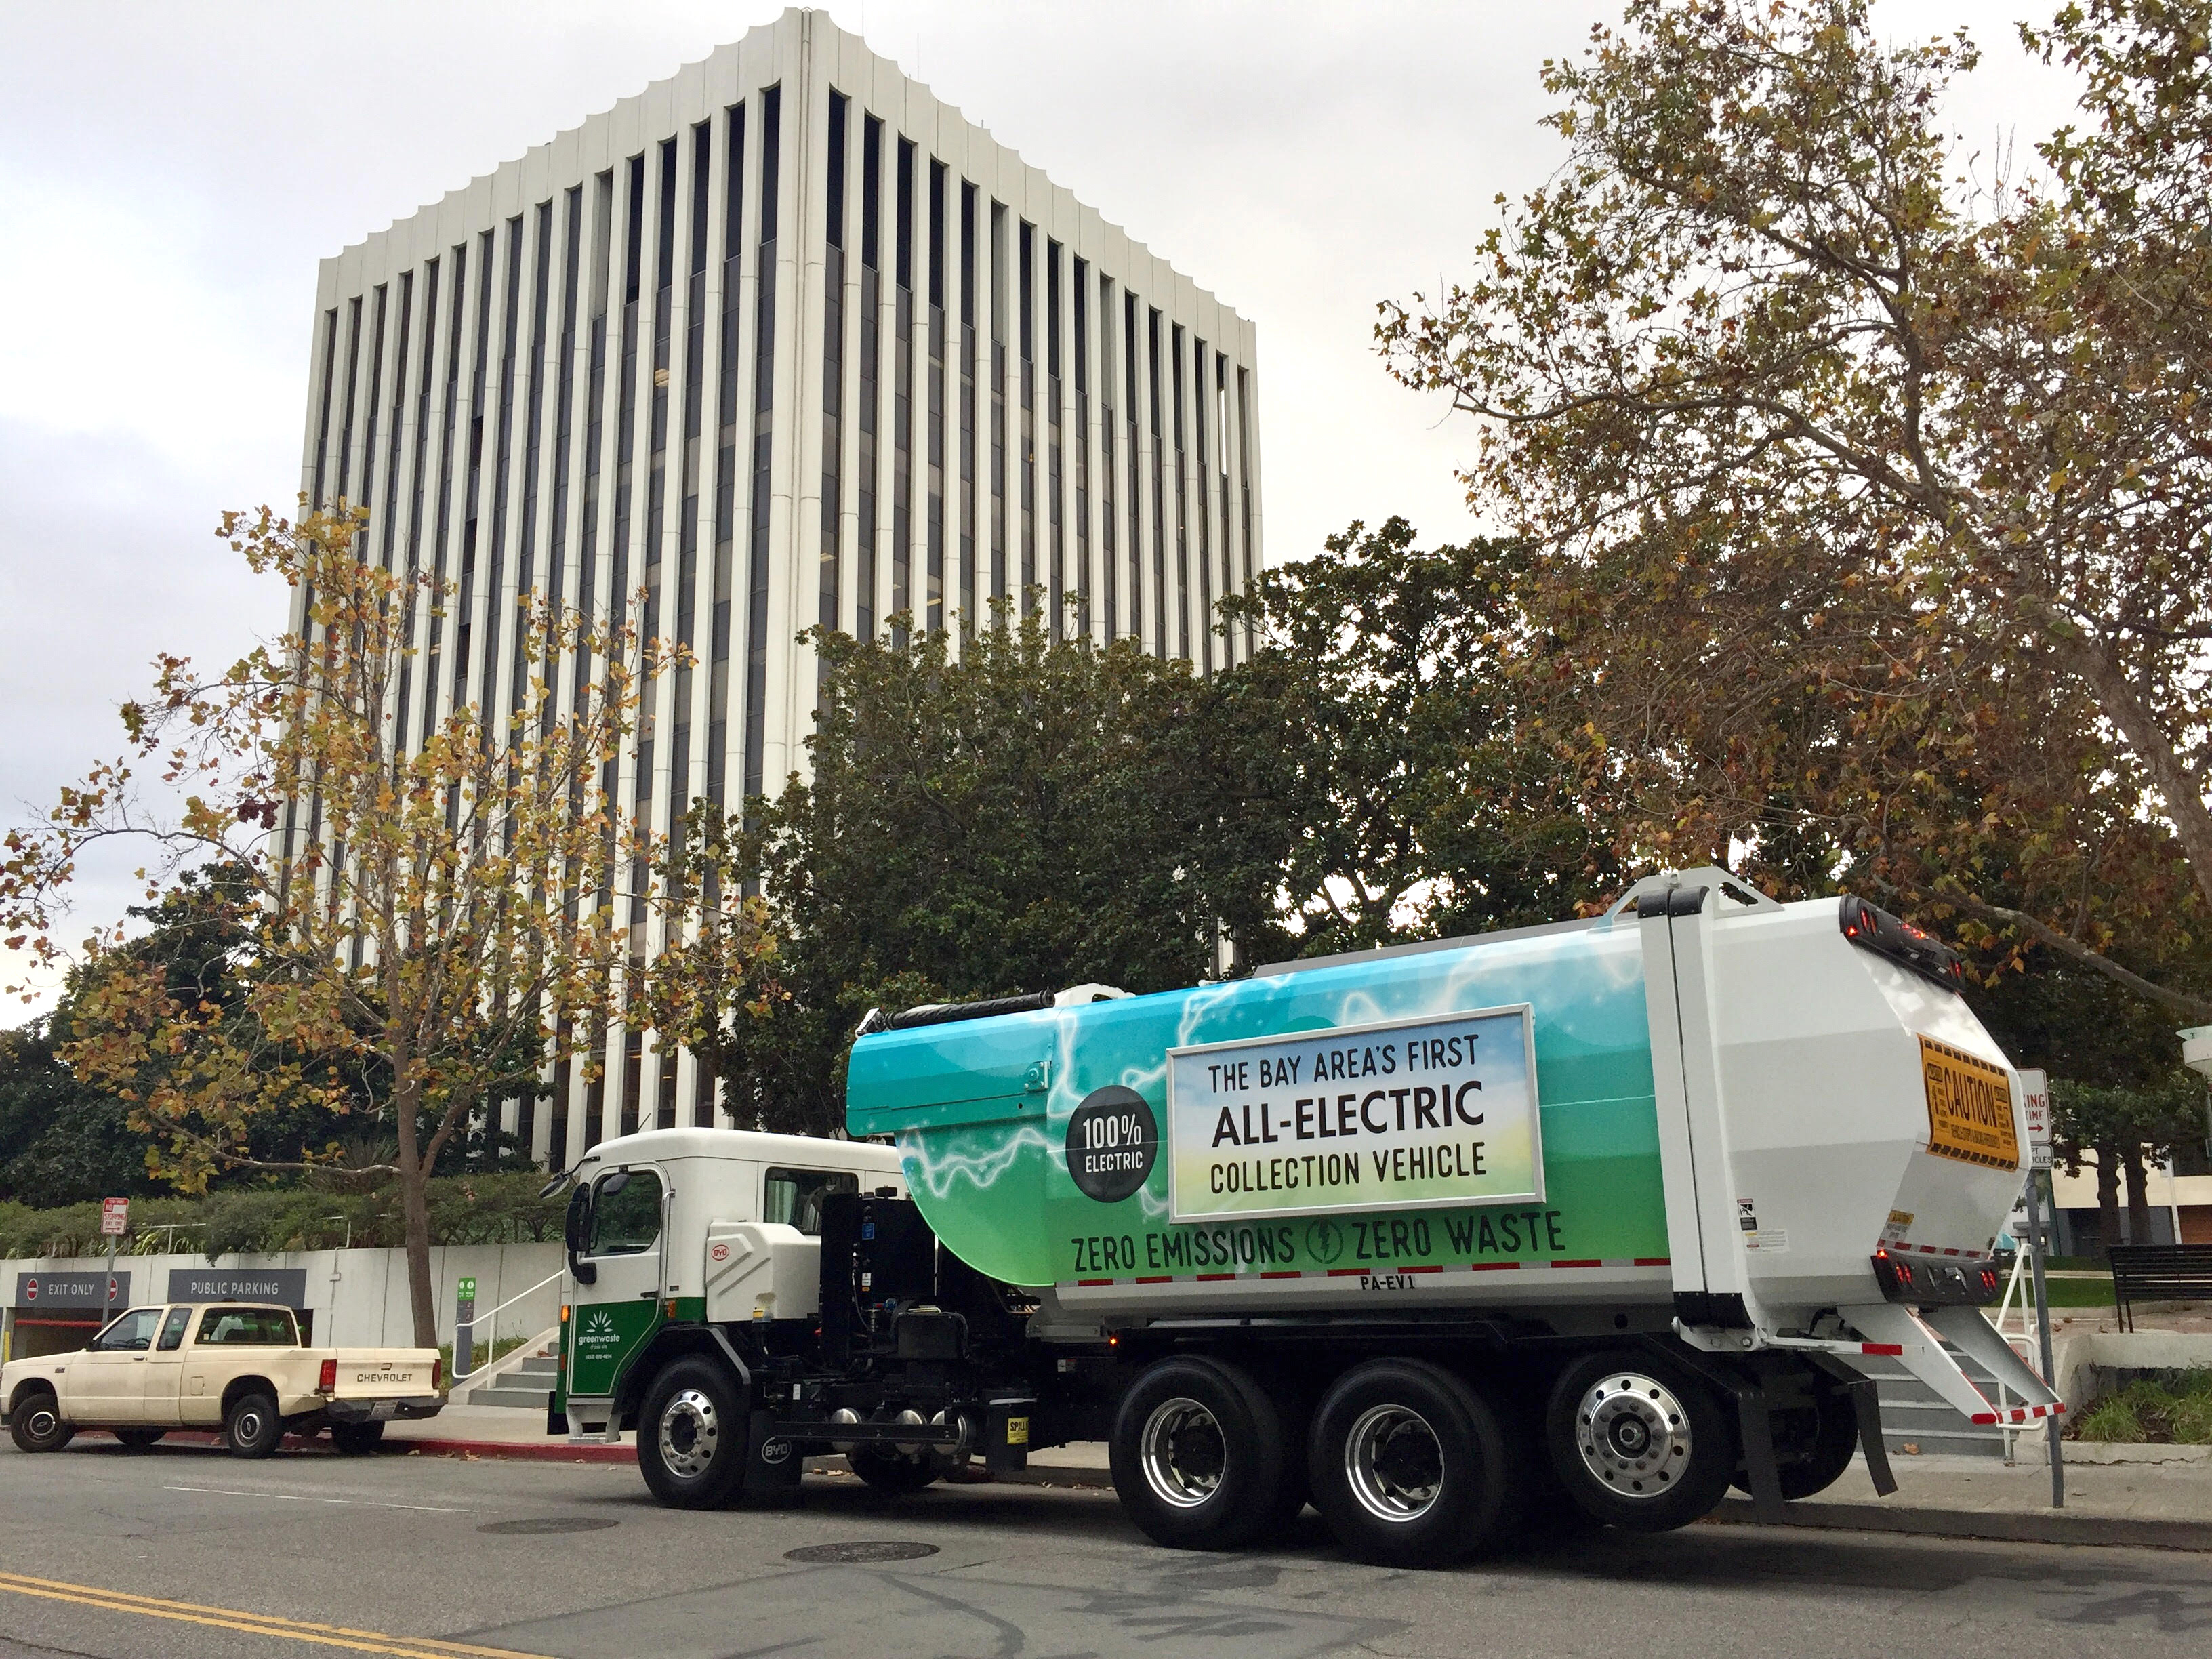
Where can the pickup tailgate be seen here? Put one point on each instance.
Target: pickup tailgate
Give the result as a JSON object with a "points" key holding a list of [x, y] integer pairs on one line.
{"points": [[366, 1376]]}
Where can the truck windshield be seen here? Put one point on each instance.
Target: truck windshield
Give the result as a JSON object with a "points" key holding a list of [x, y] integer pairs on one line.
{"points": [[794, 1196], [625, 1212], [256, 1328]]}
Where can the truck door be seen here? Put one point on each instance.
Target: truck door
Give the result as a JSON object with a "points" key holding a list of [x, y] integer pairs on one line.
{"points": [[104, 1381], [164, 1372], [616, 1313]]}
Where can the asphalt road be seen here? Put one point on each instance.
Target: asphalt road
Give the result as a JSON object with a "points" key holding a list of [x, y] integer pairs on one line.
{"points": [[186, 1553]]}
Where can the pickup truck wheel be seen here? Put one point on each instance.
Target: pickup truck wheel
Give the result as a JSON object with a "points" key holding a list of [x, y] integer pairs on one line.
{"points": [[35, 1425], [691, 1435], [1409, 1466], [1198, 1454], [252, 1426], [1639, 1442], [889, 1471], [139, 1439], [357, 1439]]}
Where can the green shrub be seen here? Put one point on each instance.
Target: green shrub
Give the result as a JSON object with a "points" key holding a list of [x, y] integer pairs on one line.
{"points": [[496, 1208], [2157, 1409]]}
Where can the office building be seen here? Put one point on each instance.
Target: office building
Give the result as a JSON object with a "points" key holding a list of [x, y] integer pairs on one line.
{"points": [[778, 340]]}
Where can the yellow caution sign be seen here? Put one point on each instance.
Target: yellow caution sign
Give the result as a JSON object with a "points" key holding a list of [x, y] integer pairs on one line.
{"points": [[1969, 1106]]}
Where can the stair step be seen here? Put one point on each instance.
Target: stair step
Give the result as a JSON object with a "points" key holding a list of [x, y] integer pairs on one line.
{"points": [[534, 1400]]}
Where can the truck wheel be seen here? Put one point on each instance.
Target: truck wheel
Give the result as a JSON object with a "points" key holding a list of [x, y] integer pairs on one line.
{"points": [[691, 1437], [35, 1425], [1825, 1440], [253, 1427], [1409, 1466], [1198, 1454], [1639, 1443], [357, 1439], [889, 1471], [139, 1439]]}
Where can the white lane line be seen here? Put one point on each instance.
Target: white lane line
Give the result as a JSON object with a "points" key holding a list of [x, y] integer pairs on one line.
{"points": [[297, 1497]]}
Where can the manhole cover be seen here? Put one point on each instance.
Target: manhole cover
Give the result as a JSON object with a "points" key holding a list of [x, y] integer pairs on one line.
{"points": [[537, 1525], [879, 1549]]}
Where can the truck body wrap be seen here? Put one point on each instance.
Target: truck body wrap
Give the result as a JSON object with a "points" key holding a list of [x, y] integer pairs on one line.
{"points": [[1728, 1098]]}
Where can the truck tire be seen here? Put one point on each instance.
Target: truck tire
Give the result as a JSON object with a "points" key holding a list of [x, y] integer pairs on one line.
{"points": [[139, 1439], [1199, 1456], [1409, 1466], [250, 1426], [691, 1435], [35, 1425], [889, 1471], [1639, 1442], [1825, 1440], [357, 1439]]}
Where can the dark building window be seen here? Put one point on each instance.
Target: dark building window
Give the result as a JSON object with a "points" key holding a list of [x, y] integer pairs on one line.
{"points": [[756, 757], [1025, 457], [970, 470], [727, 403], [902, 398], [933, 521], [872, 393]]}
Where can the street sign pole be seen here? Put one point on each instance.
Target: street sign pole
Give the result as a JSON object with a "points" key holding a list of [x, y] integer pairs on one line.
{"points": [[114, 1221], [2035, 1087]]}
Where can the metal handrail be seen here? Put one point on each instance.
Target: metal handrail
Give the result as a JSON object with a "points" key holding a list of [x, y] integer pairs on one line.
{"points": [[467, 1333]]}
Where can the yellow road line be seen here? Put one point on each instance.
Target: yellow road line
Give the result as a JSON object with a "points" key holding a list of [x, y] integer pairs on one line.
{"points": [[252, 1624]]}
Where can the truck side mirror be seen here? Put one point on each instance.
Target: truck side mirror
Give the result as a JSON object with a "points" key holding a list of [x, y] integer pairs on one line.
{"points": [[577, 1229]]}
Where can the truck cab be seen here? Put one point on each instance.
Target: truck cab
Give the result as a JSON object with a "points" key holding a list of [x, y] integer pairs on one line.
{"points": [[673, 1233]]}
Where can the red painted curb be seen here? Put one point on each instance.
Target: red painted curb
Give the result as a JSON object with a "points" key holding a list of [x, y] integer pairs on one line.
{"points": [[517, 1451]]}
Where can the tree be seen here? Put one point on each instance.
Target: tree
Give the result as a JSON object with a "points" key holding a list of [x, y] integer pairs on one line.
{"points": [[1871, 505], [62, 1141], [1014, 820], [2126, 1128], [422, 931], [1397, 783]]}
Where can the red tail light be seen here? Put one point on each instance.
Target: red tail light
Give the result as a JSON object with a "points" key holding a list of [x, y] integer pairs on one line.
{"points": [[326, 1380], [437, 1369]]}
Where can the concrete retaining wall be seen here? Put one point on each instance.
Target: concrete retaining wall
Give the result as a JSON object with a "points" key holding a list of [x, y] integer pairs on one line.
{"points": [[359, 1296]]}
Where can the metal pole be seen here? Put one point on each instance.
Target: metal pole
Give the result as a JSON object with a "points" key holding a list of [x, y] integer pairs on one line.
{"points": [[2043, 1328], [107, 1304]]}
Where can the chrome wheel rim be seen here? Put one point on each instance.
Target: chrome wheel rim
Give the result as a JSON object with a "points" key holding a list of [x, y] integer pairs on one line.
{"points": [[1395, 1463], [1633, 1435], [41, 1424], [690, 1431], [1184, 1452], [247, 1428]]}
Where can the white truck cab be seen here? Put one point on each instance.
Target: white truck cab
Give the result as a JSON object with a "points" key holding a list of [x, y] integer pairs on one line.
{"points": [[690, 1226]]}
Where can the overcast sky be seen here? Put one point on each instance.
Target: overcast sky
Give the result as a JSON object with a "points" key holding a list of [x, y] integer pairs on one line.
{"points": [[170, 175]]}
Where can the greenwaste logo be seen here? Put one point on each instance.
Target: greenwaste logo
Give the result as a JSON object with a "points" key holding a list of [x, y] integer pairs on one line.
{"points": [[599, 1329]]}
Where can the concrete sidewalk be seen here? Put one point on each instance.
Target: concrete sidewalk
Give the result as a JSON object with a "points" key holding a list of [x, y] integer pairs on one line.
{"points": [[2153, 1505]]}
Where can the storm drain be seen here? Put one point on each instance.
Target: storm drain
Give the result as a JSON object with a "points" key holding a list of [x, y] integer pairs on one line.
{"points": [[537, 1526], [846, 1555]]}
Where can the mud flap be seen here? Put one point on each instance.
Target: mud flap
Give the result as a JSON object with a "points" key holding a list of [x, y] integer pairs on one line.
{"points": [[1757, 1429], [772, 1462], [1866, 1400], [1917, 1343]]}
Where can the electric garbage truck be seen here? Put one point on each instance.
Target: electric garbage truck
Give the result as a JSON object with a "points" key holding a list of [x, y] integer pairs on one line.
{"points": [[1566, 1225]]}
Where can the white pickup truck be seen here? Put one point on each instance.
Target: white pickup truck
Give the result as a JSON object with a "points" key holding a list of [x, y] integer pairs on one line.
{"points": [[236, 1365]]}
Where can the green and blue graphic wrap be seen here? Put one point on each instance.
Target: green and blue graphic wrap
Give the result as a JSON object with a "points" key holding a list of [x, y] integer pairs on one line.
{"points": [[1376, 1114]]}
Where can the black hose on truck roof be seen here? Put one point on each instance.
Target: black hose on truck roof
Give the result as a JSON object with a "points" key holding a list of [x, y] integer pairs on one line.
{"points": [[943, 1014]]}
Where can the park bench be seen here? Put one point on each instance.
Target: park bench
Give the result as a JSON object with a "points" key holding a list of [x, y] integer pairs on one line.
{"points": [[2159, 1272]]}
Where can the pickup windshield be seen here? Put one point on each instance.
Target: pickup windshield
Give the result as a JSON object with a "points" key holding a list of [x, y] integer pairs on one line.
{"points": [[257, 1327]]}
